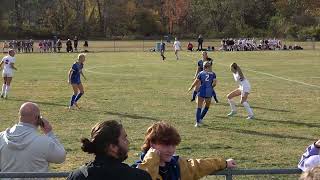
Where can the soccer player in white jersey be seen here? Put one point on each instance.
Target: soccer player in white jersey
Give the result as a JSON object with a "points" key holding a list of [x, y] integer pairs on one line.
{"points": [[176, 47], [8, 66], [243, 90]]}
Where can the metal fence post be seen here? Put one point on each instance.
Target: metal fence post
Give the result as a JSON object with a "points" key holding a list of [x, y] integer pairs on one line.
{"points": [[229, 175], [114, 45], [143, 45]]}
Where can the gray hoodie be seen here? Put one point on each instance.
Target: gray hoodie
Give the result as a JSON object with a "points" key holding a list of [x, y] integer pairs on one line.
{"points": [[23, 149]]}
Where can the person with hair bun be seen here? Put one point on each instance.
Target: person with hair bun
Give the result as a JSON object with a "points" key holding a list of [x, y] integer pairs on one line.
{"points": [[243, 90], [109, 144], [158, 157]]}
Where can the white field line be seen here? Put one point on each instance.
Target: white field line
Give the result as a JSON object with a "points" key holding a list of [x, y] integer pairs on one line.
{"points": [[198, 55], [271, 75], [90, 70], [279, 77]]}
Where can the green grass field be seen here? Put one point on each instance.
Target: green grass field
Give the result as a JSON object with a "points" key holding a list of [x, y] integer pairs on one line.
{"points": [[138, 88]]}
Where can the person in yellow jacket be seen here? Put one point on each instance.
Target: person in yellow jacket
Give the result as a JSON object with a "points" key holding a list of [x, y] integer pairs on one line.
{"points": [[159, 160]]}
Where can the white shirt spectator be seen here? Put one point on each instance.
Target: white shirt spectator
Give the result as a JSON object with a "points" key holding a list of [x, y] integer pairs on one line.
{"points": [[23, 149]]}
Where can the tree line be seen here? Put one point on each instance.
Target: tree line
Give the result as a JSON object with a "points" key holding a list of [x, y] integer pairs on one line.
{"points": [[109, 19]]}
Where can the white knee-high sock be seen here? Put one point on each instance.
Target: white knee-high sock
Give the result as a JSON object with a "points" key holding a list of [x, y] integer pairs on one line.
{"points": [[232, 105], [247, 106], [7, 90], [3, 88]]}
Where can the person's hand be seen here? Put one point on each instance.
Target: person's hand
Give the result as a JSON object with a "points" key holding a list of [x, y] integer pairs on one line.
{"points": [[231, 163], [154, 150], [46, 128]]}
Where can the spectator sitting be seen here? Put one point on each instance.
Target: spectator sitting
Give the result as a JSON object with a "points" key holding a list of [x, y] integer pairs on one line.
{"points": [[86, 44], [23, 149], [310, 158], [296, 47], [312, 174], [290, 47], [190, 46], [159, 161], [285, 47], [109, 144], [69, 46]]}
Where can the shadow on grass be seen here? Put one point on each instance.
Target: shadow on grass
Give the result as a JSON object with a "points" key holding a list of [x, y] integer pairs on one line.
{"points": [[257, 133], [286, 122], [254, 107], [289, 122], [38, 102], [132, 116]]}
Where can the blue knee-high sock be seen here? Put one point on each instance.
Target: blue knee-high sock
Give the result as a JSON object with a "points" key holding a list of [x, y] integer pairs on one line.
{"points": [[194, 95], [198, 114], [78, 97], [73, 97], [204, 112]]}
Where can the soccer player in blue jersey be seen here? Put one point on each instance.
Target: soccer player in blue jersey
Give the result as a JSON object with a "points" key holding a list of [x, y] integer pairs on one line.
{"points": [[162, 49], [206, 81], [199, 69], [75, 80]]}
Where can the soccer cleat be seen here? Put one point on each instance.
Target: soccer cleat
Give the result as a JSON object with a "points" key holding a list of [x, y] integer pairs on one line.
{"points": [[201, 121], [71, 108], [2, 96], [197, 125], [191, 100], [232, 113], [250, 117]]}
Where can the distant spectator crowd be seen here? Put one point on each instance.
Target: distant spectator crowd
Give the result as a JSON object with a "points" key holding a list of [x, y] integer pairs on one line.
{"points": [[251, 44], [19, 45], [44, 46]]}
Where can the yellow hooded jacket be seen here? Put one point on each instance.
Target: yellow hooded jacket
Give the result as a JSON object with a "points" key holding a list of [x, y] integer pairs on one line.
{"points": [[190, 169]]}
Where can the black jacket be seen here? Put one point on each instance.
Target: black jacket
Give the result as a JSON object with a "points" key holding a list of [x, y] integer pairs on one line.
{"points": [[106, 167]]}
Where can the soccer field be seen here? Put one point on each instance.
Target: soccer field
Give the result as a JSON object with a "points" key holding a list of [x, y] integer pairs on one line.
{"points": [[138, 88]]}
